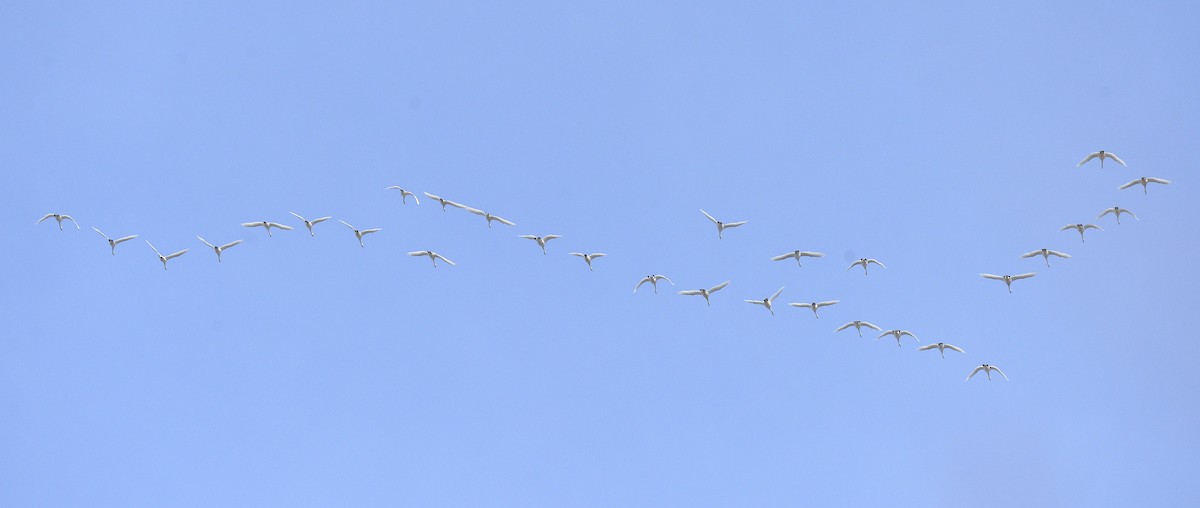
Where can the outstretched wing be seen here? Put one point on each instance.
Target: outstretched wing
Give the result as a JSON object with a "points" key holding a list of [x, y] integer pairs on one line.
{"points": [[1031, 254], [580, 254], [735, 224], [1090, 156], [1057, 253], [776, 294], [997, 369], [951, 346], [1112, 156], [1092, 226], [475, 211], [230, 244], [211, 246], [1068, 226], [318, 221], [664, 277], [547, 238], [347, 224], [718, 287], [443, 258], [701, 211], [827, 303], [124, 239], [691, 292], [812, 254], [809, 306], [1158, 180], [369, 231], [252, 224], [869, 261], [1023, 276], [174, 255], [1131, 184], [152, 248], [926, 348], [419, 253], [869, 325], [976, 371], [990, 276], [1105, 212], [98, 231], [502, 220], [843, 327], [296, 215], [280, 226], [640, 282], [782, 257], [528, 237], [44, 217]]}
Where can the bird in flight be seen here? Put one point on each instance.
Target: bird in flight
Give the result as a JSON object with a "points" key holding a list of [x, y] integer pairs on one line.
{"points": [[705, 292], [219, 248], [541, 240], [1116, 210], [864, 262], [58, 217], [1101, 154], [444, 202], [653, 280], [721, 226], [1046, 253], [360, 233], [766, 302], [1081, 228], [489, 216], [814, 306], [589, 257], [112, 244], [431, 255], [166, 258], [1008, 279], [1143, 181], [941, 347], [987, 369], [309, 223], [858, 326], [404, 194], [898, 334], [797, 254], [268, 225]]}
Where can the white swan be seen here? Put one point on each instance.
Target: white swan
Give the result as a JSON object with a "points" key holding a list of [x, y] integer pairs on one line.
{"points": [[589, 257], [705, 292], [221, 248], [1081, 228], [653, 280], [766, 302], [864, 262], [166, 258], [814, 306], [721, 226], [987, 369], [1101, 154], [1008, 279], [858, 326], [58, 217], [268, 225], [310, 223], [797, 254], [432, 256], [112, 244], [941, 347], [541, 240], [1144, 180], [360, 233], [404, 194], [1116, 210], [1046, 253], [898, 334]]}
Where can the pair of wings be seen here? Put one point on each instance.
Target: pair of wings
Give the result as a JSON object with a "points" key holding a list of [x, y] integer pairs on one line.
{"points": [[360, 232], [942, 344], [1093, 155], [863, 323], [864, 263], [1149, 179], [404, 193], [1080, 228], [592, 256], [1116, 210], [651, 278], [117, 241], [818, 305], [1048, 251], [760, 302], [710, 290], [268, 225], [314, 221], [989, 367], [1013, 277], [61, 217], [797, 255], [431, 254], [897, 333], [544, 239], [726, 224], [484, 214], [223, 247], [169, 256]]}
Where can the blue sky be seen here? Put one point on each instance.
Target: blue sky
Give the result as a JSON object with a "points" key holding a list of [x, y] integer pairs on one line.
{"points": [[940, 139]]}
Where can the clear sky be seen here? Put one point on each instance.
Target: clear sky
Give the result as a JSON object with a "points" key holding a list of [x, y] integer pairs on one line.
{"points": [[940, 139]]}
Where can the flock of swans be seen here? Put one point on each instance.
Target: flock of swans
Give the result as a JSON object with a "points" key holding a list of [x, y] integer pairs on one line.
{"points": [[707, 293]]}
